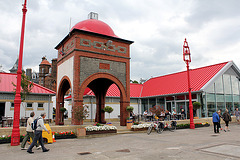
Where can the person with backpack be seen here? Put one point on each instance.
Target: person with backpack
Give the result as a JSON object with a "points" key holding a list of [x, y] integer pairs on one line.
{"points": [[30, 132], [226, 118], [38, 125]]}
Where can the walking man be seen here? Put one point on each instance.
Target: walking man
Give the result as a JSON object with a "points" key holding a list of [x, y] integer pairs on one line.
{"points": [[216, 121], [237, 113], [30, 132], [38, 134]]}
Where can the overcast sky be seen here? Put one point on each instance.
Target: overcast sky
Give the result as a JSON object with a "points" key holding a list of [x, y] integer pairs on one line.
{"points": [[157, 27]]}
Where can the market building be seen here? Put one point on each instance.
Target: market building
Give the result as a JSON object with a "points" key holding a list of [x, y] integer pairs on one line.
{"points": [[215, 87]]}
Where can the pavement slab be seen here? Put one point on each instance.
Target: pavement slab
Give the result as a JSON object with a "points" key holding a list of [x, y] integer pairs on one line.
{"points": [[183, 144]]}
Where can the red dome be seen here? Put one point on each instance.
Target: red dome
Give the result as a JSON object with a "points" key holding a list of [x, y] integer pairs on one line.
{"points": [[96, 26]]}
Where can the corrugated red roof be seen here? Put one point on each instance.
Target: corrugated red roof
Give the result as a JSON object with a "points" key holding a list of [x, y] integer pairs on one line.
{"points": [[177, 82], [6, 85], [168, 84]]}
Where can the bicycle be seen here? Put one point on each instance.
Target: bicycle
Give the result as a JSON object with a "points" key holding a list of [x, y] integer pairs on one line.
{"points": [[172, 127], [158, 126]]}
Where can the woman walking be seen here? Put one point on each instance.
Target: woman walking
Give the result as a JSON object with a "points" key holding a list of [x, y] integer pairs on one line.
{"points": [[226, 118]]}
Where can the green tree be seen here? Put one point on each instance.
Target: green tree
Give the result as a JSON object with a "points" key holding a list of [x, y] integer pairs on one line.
{"points": [[26, 86], [109, 110]]}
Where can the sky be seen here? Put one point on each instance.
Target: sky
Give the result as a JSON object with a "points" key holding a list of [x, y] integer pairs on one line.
{"points": [[157, 27]]}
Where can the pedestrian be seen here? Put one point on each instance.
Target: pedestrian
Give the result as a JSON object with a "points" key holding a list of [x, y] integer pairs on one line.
{"points": [[38, 134], [220, 116], [30, 132], [227, 118], [216, 120], [237, 113]]}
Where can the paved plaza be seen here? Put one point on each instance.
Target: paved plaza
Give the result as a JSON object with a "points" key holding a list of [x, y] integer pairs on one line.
{"points": [[187, 144]]}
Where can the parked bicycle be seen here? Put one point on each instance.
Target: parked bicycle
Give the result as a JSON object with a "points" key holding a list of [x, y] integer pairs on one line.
{"points": [[158, 126], [172, 126]]}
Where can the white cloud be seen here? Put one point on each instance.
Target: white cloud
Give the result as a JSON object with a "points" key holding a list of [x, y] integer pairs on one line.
{"points": [[157, 27]]}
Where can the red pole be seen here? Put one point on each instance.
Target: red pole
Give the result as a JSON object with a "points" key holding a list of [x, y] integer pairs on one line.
{"points": [[192, 126], [15, 140]]}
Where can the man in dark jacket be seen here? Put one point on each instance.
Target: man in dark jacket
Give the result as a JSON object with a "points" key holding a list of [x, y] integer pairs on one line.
{"points": [[216, 121]]}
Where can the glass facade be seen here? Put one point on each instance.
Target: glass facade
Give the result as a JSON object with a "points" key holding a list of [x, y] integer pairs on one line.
{"points": [[221, 94], [224, 93]]}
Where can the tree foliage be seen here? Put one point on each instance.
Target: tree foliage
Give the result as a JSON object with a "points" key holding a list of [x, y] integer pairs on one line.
{"points": [[108, 109], [26, 86], [157, 110]]}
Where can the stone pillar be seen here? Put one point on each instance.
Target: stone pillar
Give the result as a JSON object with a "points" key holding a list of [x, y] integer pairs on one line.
{"points": [[75, 107], [123, 113]]}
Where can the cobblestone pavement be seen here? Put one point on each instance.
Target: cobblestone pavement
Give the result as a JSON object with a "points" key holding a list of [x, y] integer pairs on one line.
{"points": [[187, 144]]}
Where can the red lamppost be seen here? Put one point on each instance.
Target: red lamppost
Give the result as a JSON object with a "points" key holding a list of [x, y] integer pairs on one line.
{"points": [[15, 140], [187, 59]]}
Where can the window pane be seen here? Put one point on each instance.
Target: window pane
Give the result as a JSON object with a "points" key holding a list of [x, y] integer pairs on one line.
{"points": [[29, 104], [40, 105], [235, 85], [219, 85], [210, 89], [220, 102], [227, 84]]}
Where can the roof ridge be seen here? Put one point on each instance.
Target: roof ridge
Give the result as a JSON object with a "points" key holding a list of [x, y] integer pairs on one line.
{"points": [[190, 69]]}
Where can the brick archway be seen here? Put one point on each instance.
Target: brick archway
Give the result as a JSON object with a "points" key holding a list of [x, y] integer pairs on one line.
{"points": [[64, 86], [99, 84]]}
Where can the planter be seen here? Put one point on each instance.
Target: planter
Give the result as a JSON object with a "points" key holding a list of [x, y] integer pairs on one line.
{"points": [[81, 132], [129, 124], [65, 136], [5, 141], [100, 132], [139, 129]]}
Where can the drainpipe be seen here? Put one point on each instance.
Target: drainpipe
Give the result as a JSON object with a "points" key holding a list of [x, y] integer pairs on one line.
{"points": [[91, 108], [49, 97]]}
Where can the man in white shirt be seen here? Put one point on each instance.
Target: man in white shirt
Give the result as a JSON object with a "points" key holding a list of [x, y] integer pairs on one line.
{"points": [[38, 134]]}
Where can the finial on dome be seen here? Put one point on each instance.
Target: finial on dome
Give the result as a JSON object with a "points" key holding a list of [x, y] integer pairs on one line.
{"points": [[93, 15]]}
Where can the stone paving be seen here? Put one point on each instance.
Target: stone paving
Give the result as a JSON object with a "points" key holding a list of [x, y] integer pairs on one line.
{"points": [[187, 144]]}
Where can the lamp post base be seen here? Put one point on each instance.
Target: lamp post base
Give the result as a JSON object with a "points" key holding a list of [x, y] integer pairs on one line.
{"points": [[15, 139], [192, 126]]}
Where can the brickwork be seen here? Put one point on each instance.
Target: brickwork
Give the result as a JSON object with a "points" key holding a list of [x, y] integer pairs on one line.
{"points": [[97, 64]]}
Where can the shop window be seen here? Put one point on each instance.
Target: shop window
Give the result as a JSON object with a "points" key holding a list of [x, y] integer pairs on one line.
{"points": [[40, 105], [29, 105]]}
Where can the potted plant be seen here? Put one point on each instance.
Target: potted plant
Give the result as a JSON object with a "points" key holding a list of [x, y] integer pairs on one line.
{"points": [[81, 112], [109, 110], [196, 105], [62, 110], [129, 109]]}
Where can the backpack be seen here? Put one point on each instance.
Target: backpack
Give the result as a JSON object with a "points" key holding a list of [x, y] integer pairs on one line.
{"points": [[34, 124]]}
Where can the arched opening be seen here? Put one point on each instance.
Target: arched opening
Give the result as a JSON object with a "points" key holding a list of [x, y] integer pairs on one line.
{"points": [[99, 84], [64, 88]]}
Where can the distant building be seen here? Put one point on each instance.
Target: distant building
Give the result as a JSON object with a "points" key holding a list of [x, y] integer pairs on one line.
{"points": [[48, 73], [39, 100]]}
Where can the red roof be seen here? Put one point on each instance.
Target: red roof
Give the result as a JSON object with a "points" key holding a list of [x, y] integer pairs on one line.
{"points": [[96, 26], [6, 85], [45, 62], [168, 84], [177, 82], [113, 91]]}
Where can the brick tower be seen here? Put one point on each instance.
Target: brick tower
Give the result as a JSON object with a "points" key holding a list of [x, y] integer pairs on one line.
{"points": [[92, 56]]}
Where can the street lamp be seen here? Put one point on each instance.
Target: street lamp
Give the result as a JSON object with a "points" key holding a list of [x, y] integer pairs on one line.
{"points": [[187, 60], [15, 139]]}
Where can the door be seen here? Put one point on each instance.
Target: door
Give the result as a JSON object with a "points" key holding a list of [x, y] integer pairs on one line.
{"points": [[2, 110]]}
